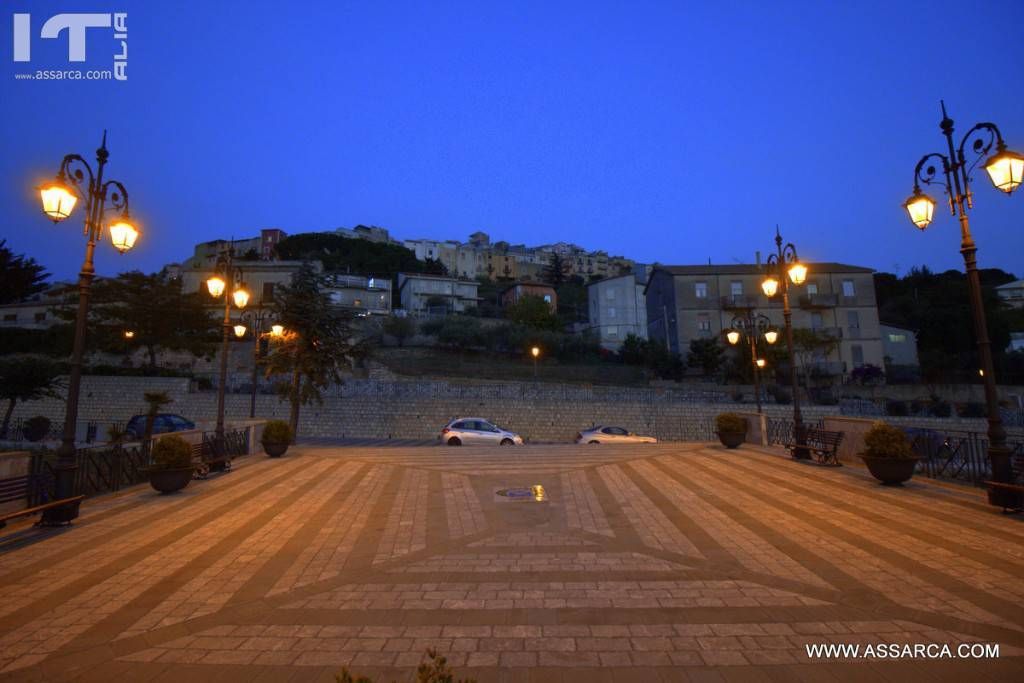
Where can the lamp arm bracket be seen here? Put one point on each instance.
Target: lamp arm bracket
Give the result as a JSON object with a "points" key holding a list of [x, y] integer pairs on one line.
{"points": [[71, 171], [984, 136], [926, 174], [118, 198]]}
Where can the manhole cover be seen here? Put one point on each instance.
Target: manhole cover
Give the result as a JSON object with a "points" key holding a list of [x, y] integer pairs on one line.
{"points": [[521, 494]]}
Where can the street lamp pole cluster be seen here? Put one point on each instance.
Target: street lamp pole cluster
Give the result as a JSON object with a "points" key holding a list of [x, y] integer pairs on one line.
{"points": [[784, 267], [256, 320], [753, 327], [217, 285], [1005, 169], [75, 179]]}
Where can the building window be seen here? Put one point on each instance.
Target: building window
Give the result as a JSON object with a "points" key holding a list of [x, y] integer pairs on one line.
{"points": [[848, 289], [547, 298], [268, 292], [812, 287], [736, 288], [816, 321], [611, 312], [858, 355], [40, 317], [10, 317], [853, 319], [898, 338], [700, 290], [613, 331], [609, 294], [703, 323]]}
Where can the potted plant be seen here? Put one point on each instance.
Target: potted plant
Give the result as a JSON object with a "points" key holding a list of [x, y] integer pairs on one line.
{"points": [[277, 435], [888, 455], [732, 429], [172, 466], [36, 428]]}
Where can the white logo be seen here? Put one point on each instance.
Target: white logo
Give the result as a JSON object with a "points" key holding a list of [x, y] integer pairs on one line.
{"points": [[76, 25]]}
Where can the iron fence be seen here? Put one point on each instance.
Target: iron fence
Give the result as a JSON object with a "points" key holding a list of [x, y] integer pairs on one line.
{"points": [[955, 455], [780, 429]]}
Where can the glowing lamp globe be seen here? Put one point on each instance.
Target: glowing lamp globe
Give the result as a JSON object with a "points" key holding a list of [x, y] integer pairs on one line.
{"points": [[277, 330], [798, 273], [770, 287], [733, 336], [123, 235], [1005, 170], [241, 297], [921, 207], [129, 334], [215, 285], [535, 351], [760, 362], [771, 336], [239, 331], [58, 200]]}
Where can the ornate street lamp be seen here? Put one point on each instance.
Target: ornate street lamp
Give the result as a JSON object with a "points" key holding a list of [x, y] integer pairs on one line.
{"points": [[75, 179], [217, 285], [753, 326], [1005, 169], [257, 319], [784, 267]]}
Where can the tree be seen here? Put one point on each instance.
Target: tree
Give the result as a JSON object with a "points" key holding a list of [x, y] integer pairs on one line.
{"points": [[556, 271], [318, 341], [705, 354], [156, 310], [27, 378], [155, 400], [399, 328], [532, 311], [809, 347], [20, 277]]}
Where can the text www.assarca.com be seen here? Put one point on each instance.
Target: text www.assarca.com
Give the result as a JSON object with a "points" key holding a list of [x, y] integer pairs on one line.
{"points": [[901, 651]]}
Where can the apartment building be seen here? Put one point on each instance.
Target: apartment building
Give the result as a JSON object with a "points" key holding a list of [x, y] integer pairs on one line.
{"points": [[617, 309], [514, 293], [433, 294], [204, 254], [1012, 293], [700, 302], [361, 295]]}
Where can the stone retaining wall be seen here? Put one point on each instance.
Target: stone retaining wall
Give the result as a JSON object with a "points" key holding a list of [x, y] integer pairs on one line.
{"points": [[418, 409]]}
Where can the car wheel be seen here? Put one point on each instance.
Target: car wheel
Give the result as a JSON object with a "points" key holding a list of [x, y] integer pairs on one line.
{"points": [[594, 442], [507, 442], [455, 441]]}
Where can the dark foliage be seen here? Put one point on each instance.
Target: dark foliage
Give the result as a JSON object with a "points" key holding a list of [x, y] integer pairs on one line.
{"points": [[20, 277], [346, 255]]}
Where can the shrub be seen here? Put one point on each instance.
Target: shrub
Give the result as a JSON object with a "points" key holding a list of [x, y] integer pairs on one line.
{"points": [[896, 408], [36, 428], [277, 432], [731, 423], [885, 441], [171, 453]]}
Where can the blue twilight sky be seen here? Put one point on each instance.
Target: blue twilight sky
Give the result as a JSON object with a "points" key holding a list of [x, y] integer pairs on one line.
{"points": [[665, 131]]}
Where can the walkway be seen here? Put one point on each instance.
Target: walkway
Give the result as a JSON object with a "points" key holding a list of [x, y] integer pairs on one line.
{"points": [[645, 563]]}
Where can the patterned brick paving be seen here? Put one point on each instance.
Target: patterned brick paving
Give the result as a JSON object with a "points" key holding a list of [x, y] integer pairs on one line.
{"points": [[655, 563]]}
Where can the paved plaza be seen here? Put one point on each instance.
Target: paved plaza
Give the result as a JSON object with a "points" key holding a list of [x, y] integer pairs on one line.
{"points": [[674, 562]]}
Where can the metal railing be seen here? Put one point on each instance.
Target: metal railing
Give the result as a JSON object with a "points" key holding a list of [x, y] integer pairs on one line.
{"points": [[780, 429], [955, 455]]}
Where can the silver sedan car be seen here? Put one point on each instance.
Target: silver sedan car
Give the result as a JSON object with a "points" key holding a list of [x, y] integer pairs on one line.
{"points": [[476, 431], [605, 434]]}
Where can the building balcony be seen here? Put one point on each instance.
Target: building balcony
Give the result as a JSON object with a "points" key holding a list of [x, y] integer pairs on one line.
{"points": [[738, 302], [834, 332], [819, 301]]}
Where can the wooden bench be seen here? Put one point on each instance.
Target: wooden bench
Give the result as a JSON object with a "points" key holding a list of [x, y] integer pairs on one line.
{"points": [[16, 488], [1009, 503], [822, 443], [207, 461]]}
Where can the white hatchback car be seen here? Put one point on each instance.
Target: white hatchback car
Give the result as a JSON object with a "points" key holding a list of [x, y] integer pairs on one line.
{"points": [[476, 431], [603, 434]]}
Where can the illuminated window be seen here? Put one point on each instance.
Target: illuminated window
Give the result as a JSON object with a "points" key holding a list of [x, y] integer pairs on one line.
{"points": [[848, 289], [898, 338], [812, 287], [700, 290]]}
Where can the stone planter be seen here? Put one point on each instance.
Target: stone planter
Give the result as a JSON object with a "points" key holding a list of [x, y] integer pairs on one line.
{"points": [[275, 450], [170, 480], [890, 471], [732, 439]]}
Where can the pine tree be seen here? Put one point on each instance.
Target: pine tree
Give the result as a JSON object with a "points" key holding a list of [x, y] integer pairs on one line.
{"points": [[20, 277]]}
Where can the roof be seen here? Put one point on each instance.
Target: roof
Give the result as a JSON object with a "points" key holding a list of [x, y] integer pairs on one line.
{"points": [[1016, 284], [606, 280], [753, 269], [897, 327]]}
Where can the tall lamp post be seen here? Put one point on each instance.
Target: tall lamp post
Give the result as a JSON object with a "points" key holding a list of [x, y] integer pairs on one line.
{"points": [[753, 327], [256, 320], [239, 295], [784, 267], [76, 179], [535, 352], [1005, 169]]}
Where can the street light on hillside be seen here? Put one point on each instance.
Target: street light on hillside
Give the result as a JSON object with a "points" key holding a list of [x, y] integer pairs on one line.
{"points": [[784, 267], [753, 327], [75, 179], [1005, 169], [535, 352], [217, 285]]}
